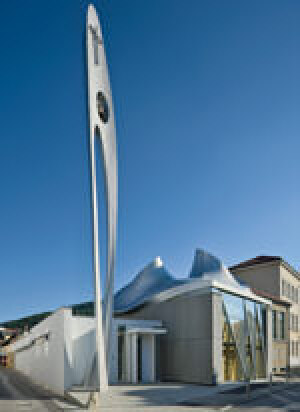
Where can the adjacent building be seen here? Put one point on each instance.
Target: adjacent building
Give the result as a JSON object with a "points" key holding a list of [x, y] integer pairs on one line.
{"points": [[280, 333], [274, 277]]}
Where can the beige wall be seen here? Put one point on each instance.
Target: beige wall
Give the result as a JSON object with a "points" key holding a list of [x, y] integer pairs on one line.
{"points": [[186, 349], [280, 356], [294, 327], [268, 277]]}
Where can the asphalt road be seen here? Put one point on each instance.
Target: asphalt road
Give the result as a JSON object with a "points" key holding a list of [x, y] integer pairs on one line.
{"points": [[19, 394]]}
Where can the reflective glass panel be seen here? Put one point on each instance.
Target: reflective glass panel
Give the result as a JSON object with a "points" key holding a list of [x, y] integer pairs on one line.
{"points": [[250, 307], [244, 332], [235, 314], [231, 363], [260, 341]]}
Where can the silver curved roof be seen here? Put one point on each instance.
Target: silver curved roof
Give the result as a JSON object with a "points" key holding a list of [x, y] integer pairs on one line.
{"points": [[209, 267], [154, 279]]}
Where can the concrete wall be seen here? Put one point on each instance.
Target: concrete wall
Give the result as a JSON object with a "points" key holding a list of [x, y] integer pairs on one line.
{"points": [[65, 359], [83, 340], [148, 355], [61, 361], [186, 349], [217, 338], [46, 362]]}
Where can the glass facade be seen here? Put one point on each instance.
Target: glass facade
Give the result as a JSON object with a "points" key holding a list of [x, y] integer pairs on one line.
{"points": [[244, 338]]}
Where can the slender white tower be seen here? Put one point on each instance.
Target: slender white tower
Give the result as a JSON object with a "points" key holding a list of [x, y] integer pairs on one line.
{"points": [[101, 126]]}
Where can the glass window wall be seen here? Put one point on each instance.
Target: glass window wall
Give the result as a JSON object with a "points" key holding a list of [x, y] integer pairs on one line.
{"points": [[244, 331]]}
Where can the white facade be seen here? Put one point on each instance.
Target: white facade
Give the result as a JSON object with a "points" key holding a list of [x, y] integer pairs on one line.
{"points": [[58, 351]]}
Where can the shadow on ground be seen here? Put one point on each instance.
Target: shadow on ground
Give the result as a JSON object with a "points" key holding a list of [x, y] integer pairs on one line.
{"points": [[260, 397], [26, 389]]}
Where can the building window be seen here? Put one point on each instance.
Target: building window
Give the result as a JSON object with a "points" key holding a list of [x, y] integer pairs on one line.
{"points": [[288, 290], [296, 295], [274, 318], [281, 325], [292, 348], [283, 287]]}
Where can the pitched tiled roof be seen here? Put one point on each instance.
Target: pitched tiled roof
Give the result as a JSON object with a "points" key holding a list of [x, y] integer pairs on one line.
{"points": [[266, 259], [257, 260]]}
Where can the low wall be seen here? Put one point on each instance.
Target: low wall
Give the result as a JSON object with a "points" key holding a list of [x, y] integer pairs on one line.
{"points": [[43, 354], [56, 352]]}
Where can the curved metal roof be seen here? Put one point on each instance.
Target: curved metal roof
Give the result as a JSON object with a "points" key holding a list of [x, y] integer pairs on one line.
{"points": [[154, 278], [209, 267]]}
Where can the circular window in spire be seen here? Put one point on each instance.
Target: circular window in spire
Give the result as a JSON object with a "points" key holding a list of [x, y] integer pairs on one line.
{"points": [[102, 107]]}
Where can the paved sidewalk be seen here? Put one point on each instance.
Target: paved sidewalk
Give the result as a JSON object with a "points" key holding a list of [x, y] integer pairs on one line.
{"points": [[168, 397], [151, 397]]}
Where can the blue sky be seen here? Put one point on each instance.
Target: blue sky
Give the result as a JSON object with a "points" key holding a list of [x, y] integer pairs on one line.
{"points": [[207, 99]]}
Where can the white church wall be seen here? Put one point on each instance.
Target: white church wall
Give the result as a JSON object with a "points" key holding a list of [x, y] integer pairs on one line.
{"points": [[44, 359], [83, 338], [58, 352]]}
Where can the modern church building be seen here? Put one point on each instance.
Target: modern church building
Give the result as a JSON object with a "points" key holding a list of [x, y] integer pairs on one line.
{"points": [[217, 329], [207, 329]]}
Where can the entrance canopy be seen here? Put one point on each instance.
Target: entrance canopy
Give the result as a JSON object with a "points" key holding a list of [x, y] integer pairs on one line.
{"points": [[147, 330]]}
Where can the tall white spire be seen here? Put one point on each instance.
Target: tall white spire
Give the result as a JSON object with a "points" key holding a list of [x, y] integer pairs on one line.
{"points": [[102, 127]]}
